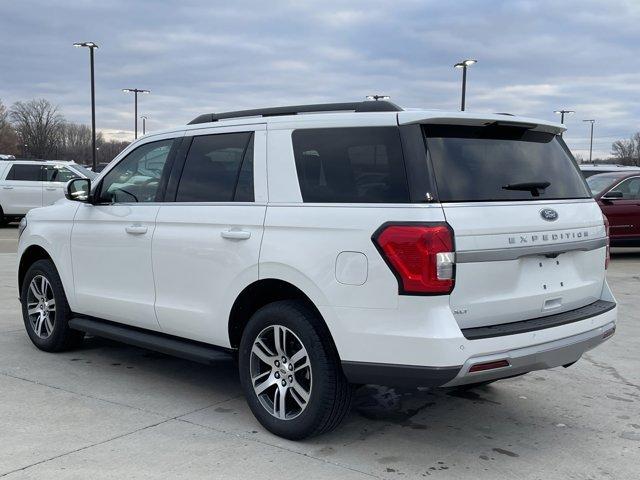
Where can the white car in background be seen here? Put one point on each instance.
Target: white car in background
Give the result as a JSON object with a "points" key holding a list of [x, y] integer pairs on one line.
{"points": [[27, 184]]}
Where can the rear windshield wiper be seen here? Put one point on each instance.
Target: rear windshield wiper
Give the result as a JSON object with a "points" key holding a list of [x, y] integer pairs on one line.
{"points": [[533, 187]]}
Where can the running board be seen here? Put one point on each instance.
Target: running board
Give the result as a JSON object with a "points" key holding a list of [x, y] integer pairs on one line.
{"points": [[178, 347]]}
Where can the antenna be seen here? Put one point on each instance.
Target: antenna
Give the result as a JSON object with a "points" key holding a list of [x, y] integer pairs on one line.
{"points": [[377, 97]]}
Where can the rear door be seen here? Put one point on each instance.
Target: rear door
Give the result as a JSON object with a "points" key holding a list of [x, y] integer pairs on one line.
{"points": [[208, 233], [529, 238], [22, 188]]}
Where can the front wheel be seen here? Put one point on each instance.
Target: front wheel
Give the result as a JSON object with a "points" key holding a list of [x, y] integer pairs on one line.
{"points": [[290, 372], [45, 310]]}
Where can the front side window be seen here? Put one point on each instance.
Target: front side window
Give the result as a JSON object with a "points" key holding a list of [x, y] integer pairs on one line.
{"points": [[350, 165], [630, 189], [136, 178], [59, 173], [25, 173], [501, 163], [218, 168]]}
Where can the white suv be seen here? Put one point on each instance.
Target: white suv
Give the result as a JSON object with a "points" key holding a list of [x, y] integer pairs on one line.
{"points": [[327, 246], [27, 184]]}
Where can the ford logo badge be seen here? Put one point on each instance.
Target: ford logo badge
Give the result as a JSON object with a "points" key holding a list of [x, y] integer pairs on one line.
{"points": [[549, 214]]}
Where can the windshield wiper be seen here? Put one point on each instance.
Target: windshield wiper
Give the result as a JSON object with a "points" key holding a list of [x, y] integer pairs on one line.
{"points": [[533, 187]]}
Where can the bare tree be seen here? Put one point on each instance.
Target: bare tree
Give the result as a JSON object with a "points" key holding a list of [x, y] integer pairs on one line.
{"points": [[75, 142], [627, 152], [39, 126], [8, 136]]}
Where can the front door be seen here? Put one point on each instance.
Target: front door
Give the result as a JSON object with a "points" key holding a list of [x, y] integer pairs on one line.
{"points": [[111, 240], [624, 213], [22, 188], [207, 242]]}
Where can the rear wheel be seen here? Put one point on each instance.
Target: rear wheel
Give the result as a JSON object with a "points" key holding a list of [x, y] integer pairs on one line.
{"points": [[3, 219], [45, 310], [290, 372]]}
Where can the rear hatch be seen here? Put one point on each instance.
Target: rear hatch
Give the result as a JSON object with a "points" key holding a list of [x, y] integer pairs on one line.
{"points": [[529, 239]]}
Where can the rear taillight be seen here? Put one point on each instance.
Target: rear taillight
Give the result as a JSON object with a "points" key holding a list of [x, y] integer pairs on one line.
{"points": [[606, 229], [420, 255]]}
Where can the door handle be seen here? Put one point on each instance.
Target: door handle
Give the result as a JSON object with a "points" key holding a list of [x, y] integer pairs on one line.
{"points": [[236, 234], [51, 189], [136, 229], [7, 188]]}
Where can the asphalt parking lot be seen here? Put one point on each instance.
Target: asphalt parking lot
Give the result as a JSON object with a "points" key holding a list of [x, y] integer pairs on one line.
{"points": [[111, 411]]}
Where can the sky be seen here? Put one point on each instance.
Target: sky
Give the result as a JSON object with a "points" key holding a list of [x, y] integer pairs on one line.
{"points": [[200, 56]]}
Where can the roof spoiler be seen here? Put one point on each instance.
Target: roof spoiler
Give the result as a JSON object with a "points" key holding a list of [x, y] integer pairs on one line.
{"points": [[408, 117]]}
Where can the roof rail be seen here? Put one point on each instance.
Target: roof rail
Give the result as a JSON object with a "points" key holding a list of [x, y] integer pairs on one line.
{"points": [[367, 106]]}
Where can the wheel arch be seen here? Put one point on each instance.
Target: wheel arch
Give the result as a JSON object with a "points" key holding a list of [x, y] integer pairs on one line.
{"points": [[261, 293], [31, 255]]}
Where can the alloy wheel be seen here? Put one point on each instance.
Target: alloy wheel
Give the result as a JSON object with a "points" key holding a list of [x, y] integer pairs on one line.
{"points": [[281, 372], [41, 306]]}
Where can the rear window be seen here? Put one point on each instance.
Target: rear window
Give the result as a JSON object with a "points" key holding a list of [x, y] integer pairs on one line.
{"points": [[350, 165], [501, 163]]}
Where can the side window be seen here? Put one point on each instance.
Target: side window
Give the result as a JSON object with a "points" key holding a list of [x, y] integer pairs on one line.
{"points": [[58, 173], [136, 178], [218, 168], [25, 173], [630, 189], [351, 165]]}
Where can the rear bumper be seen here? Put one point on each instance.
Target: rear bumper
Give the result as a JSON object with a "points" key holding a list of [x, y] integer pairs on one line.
{"points": [[561, 352]]}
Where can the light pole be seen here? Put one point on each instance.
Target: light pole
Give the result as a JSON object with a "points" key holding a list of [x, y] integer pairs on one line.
{"points": [[562, 114], [591, 121], [463, 65], [136, 91], [144, 124], [91, 46]]}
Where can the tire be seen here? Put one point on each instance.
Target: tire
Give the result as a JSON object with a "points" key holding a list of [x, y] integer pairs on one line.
{"points": [[329, 393], [3, 219], [48, 327]]}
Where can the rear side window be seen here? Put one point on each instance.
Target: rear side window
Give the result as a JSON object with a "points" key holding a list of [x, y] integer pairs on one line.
{"points": [[501, 163], [25, 173], [218, 168], [350, 165]]}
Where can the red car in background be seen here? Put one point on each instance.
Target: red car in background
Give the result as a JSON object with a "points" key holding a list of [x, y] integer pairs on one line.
{"points": [[618, 195]]}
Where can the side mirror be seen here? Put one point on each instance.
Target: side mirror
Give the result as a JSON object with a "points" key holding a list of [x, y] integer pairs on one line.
{"points": [[613, 195], [78, 190]]}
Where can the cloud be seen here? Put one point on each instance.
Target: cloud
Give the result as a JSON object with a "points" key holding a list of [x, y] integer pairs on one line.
{"points": [[198, 56]]}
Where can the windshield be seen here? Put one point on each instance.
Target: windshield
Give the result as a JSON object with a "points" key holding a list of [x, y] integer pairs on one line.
{"points": [[85, 172], [598, 183], [501, 163]]}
